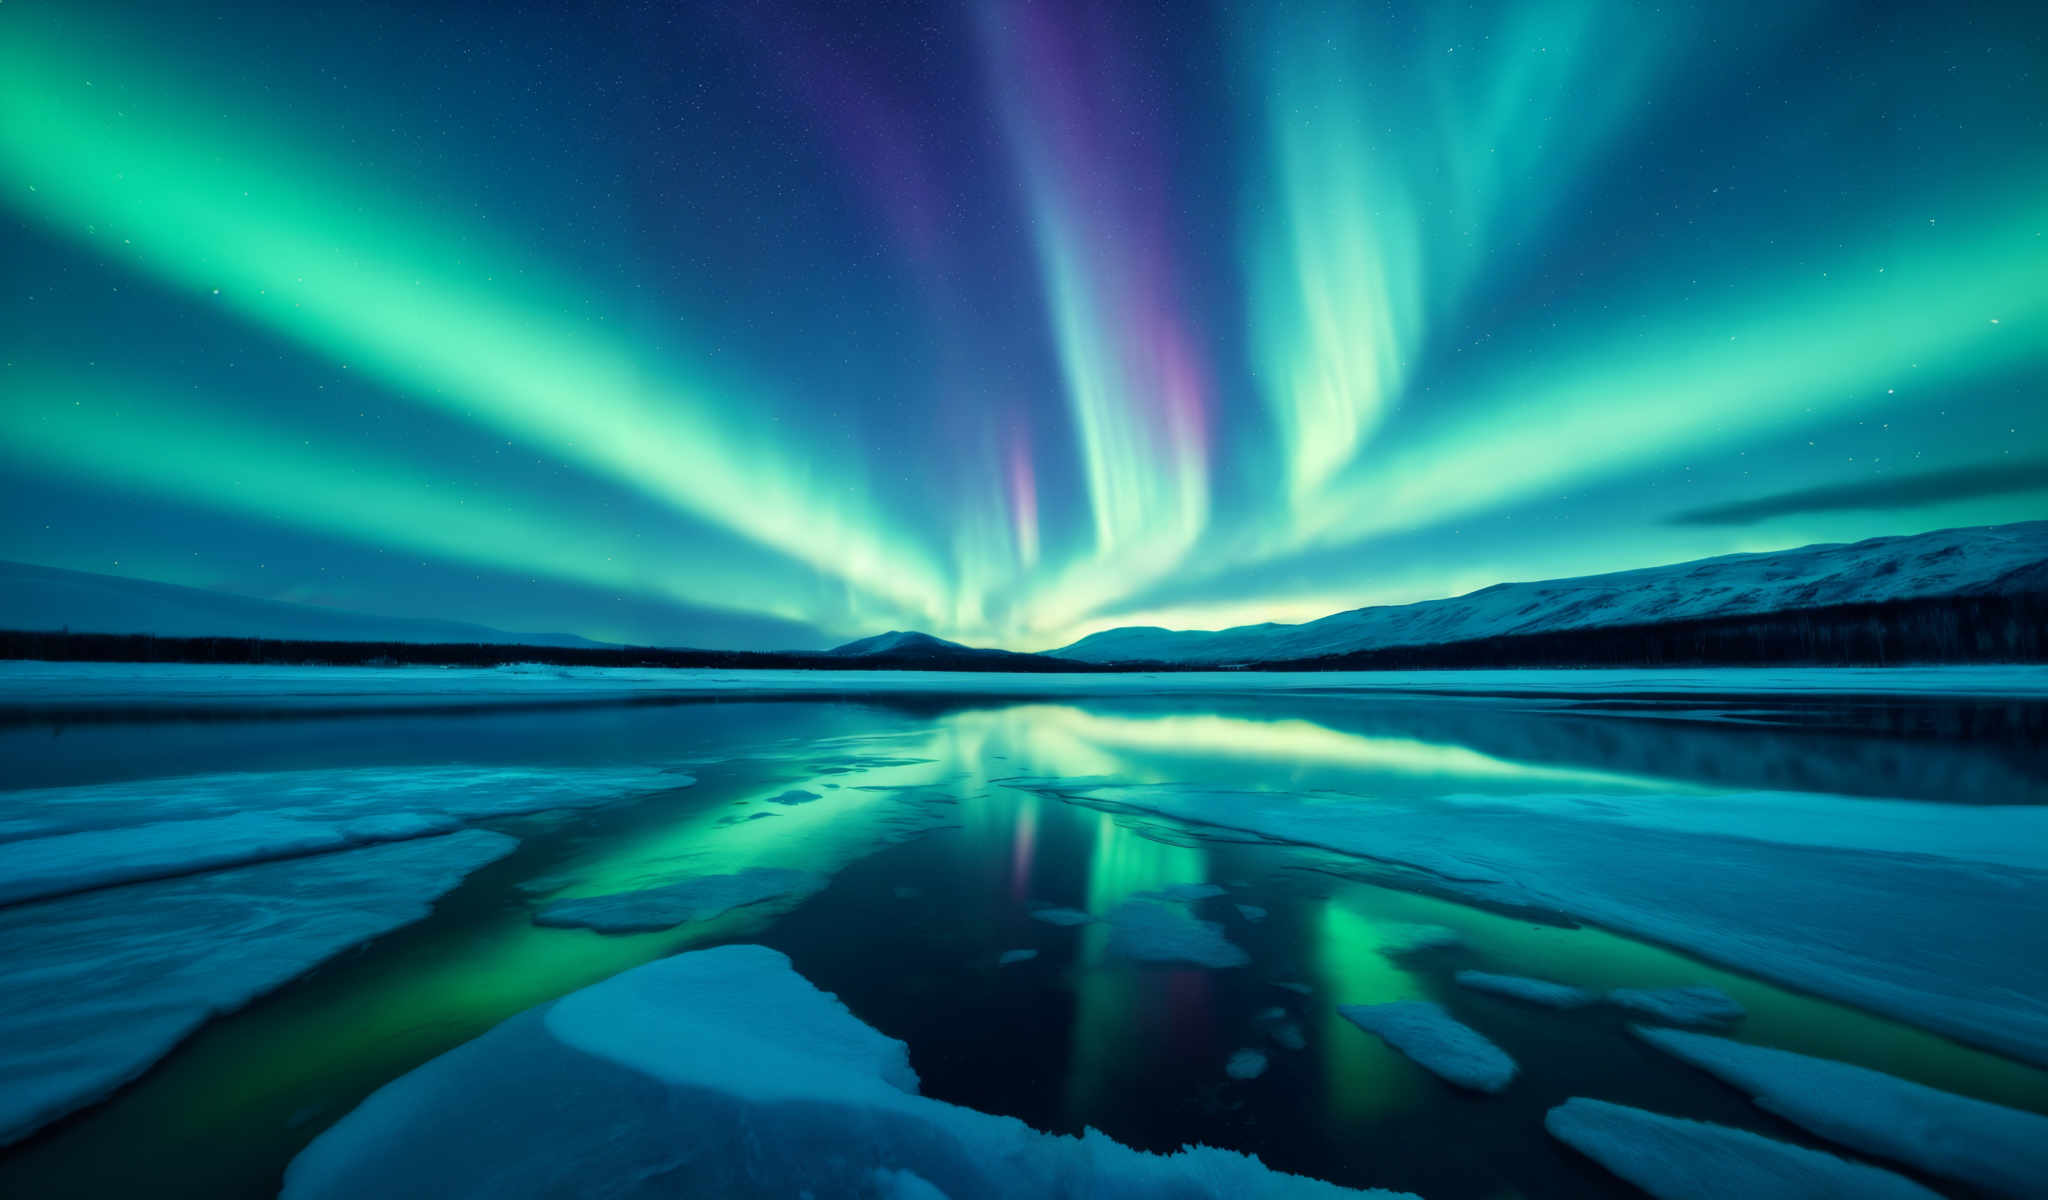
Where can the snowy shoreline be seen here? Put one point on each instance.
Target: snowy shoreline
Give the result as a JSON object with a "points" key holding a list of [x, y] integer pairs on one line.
{"points": [[35, 687]]}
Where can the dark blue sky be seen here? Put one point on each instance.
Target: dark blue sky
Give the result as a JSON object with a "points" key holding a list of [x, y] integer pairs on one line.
{"points": [[775, 324]]}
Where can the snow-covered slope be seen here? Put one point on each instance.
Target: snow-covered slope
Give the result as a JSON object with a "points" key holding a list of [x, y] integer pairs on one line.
{"points": [[1981, 560], [46, 599]]}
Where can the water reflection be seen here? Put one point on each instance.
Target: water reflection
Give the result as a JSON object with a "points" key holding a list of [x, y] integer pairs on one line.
{"points": [[936, 860]]}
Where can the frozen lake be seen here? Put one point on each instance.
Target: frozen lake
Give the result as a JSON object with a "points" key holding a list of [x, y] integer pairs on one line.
{"points": [[235, 902]]}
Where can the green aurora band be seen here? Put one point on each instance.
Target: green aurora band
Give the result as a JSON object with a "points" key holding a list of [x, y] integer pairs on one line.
{"points": [[1218, 469]]}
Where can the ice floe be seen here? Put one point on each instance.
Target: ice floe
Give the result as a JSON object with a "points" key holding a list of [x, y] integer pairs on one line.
{"points": [[1676, 1159], [721, 1072], [2002, 1150], [1436, 1041], [1534, 991], [1251, 912], [1182, 893], [670, 905], [1061, 916], [1246, 1064], [37, 867], [1155, 931], [1015, 956], [1940, 937], [1700, 1006], [96, 987]]}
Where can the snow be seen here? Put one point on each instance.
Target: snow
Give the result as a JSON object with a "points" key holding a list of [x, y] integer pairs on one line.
{"points": [[46, 688], [1938, 938], [1950, 562], [1015, 956], [1436, 1041], [1061, 916], [1155, 931], [39, 867], [665, 907], [63, 840], [363, 803], [1699, 1005], [95, 988], [721, 1072], [1675, 1159], [1534, 991], [2001, 1150], [1246, 1064]]}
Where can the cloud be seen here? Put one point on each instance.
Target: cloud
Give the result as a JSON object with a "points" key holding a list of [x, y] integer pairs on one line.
{"points": [[1993, 478]]}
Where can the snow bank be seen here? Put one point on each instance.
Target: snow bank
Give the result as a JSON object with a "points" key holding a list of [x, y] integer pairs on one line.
{"points": [[1535, 991], [95, 988], [50, 687], [1436, 1041], [1158, 932], [719, 1073], [1697, 1006], [666, 907], [1674, 1159], [2002, 1150]]}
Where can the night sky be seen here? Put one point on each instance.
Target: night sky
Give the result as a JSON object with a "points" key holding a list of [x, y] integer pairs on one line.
{"points": [[772, 325]]}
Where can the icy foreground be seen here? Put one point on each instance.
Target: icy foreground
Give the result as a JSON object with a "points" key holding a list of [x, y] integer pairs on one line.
{"points": [[1700, 1006], [666, 907], [1158, 931], [1533, 991], [95, 988], [1674, 1159], [718, 1073], [2002, 1150], [1437, 1042], [336, 794], [1923, 912]]}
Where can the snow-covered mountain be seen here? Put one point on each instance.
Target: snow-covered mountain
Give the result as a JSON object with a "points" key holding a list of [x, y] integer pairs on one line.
{"points": [[48, 599], [1975, 561]]}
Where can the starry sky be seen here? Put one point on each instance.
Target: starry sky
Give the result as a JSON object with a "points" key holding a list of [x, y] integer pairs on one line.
{"points": [[771, 325]]}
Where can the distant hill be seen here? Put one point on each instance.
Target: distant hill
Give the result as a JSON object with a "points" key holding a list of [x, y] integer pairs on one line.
{"points": [[904, 648], [46, 599], [898, 641], [1944, 593]]}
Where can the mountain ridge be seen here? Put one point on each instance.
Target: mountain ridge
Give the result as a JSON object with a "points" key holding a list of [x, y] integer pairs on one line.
{"points": [[1972, 561], [47, 599]]}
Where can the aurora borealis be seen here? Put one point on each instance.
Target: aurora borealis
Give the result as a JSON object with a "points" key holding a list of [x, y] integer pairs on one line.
{"points": [[774, 325]]}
